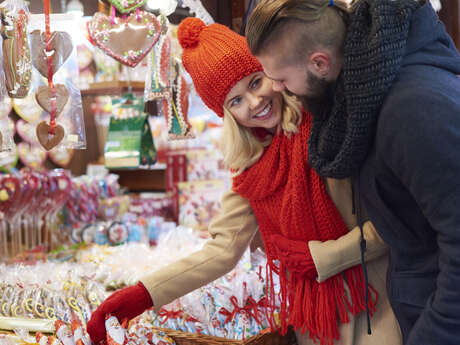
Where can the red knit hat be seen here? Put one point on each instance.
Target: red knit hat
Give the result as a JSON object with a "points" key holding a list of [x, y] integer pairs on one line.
{"points": [[216, 58]]}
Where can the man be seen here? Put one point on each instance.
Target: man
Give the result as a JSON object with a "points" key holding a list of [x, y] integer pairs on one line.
{"points": [[381, 81]]}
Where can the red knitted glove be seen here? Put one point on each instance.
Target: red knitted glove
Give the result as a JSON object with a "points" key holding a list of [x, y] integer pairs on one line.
{"points": [[294, 255], [125, 303]]}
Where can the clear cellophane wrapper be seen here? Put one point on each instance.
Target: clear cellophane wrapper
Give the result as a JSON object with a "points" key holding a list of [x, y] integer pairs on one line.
{"points": [[3, 91], [48, 291], [16, 57], [15, 62], [231, 307], [64, 37], [126, 264], [6, 132]]}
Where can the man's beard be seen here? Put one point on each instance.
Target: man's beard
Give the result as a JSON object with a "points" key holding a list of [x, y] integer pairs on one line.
{"points": [[321, 96]]}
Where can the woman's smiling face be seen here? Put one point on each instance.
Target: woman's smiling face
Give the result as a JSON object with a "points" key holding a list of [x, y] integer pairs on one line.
{"points": [[253, 103]]}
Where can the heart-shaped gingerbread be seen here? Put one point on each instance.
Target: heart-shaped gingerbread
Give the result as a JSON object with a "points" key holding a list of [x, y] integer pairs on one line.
{"points": [[61, 156], [126, 6], [26, 131], [27, 108], [31, 156], [5, 106], [47, 140], [60, 45], [43, 97], [129, 39]]}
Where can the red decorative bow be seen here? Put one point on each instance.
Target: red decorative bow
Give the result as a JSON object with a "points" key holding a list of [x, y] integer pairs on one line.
{"points": [[252, 308], [170, 314]]}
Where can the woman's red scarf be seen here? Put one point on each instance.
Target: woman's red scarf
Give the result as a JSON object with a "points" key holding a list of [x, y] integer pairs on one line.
{"points": [[292, 207]]}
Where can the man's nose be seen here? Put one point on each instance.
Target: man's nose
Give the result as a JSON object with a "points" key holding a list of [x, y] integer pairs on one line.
{"points": [[278, 86]]}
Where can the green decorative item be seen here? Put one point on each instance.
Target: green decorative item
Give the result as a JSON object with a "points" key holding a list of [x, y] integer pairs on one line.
{"points": [[129, 144], [128, 105], [176, 112], [127, 6]]}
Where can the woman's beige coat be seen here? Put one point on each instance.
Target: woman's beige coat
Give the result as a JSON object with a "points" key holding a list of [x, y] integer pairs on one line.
{"points": [[234, 228]]}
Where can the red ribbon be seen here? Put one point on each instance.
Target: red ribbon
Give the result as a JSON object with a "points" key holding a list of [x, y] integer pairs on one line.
{"points": [[191, 319], [170, 314], [230, 315], [49, 60], [250, 309], [262, 302], [21, 20], [112, 14], [259, 274], [253, 307]]}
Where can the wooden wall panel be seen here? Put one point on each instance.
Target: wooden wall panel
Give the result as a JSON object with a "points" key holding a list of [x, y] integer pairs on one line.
{"points": [[36, 6], [221, 10], [449, 15], [238, 12]]}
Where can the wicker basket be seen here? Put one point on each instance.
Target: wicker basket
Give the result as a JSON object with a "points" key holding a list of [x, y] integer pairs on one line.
{"points": [[263, 338]]}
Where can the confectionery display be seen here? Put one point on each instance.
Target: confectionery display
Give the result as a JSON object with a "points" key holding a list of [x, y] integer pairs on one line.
{"points": [[67, 239]]}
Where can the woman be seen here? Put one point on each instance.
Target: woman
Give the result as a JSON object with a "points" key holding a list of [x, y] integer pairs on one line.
{"points": [[304, 221]]}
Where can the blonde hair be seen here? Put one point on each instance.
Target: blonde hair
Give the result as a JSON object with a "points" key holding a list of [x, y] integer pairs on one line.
{"points": [[316, 24], [241, 149]]}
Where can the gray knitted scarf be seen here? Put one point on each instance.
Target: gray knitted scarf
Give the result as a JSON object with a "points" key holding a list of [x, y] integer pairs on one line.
{"points": [[374, 47]]}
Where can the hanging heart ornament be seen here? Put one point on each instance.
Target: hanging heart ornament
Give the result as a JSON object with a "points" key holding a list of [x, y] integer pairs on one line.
{"points": [[43, 97], [60, 49], [26, 131], [47, 140], [126, 6], [31, 156], [128, 39], [61, 156]]}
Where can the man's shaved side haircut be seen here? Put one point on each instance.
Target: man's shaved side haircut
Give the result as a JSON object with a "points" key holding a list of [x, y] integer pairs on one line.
{"points": [[310, 24]]}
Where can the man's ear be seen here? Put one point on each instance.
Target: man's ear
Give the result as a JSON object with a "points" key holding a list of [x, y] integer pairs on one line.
{"points": [[320, 63]]}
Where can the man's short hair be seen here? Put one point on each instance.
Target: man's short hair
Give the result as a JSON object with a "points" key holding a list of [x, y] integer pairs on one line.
{"points": [[310, 24]]}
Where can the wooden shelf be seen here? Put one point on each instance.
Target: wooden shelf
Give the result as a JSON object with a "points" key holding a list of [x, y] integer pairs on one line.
{"points": [[142, 180], [112, 88]]}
